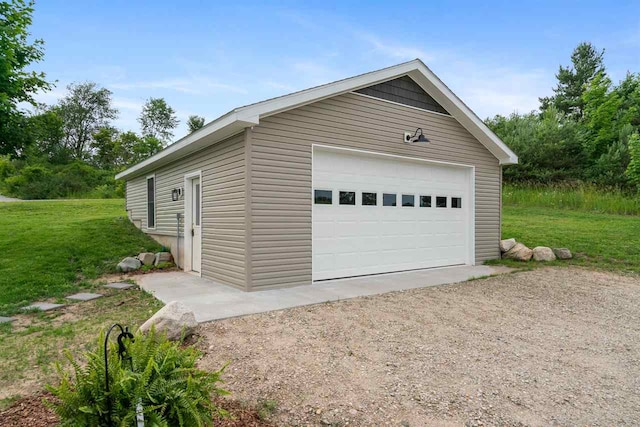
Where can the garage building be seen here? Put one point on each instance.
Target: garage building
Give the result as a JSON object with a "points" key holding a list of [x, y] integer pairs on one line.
{"points": [[382, 172]]}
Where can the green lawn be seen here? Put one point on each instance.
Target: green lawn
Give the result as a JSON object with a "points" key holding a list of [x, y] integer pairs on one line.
{"points": [[49, 248], [599, 240]]}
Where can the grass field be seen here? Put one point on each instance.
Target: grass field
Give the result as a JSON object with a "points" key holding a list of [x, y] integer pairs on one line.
{"points": [[582, 198], [49, 248], [606, 241]]}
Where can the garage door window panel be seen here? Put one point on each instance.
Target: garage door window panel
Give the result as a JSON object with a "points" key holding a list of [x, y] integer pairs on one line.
{"points": [[369, 199], [348, 198], [441, 202], [323, 197], [408, 200], [389, 199], [425, 201], [456, 202]]}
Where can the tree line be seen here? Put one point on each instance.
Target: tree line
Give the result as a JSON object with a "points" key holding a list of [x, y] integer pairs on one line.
{"points": [[586, 132], [72, 148]]}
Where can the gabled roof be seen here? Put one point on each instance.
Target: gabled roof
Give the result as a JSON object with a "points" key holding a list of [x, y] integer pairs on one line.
{"points": [[249, 115]]}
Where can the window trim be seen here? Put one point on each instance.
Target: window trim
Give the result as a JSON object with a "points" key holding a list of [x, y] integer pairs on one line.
{"points": [[155, 200]]}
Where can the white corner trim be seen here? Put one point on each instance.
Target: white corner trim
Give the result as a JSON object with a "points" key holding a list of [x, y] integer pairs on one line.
{"points": [[250, 115]]}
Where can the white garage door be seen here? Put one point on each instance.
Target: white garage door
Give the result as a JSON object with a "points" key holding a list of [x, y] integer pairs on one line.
{"points": [[378, 214]]}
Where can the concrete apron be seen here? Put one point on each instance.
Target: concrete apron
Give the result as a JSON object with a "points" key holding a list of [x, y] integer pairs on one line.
{"points": [[212, 301]]}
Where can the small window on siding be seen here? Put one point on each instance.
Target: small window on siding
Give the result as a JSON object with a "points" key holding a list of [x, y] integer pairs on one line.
{"points": [[388, 199], [425, 201], [369, 199], [408, 200], [151, 202], [456, 202], [347, 197], [441, 202], [323, 197]]}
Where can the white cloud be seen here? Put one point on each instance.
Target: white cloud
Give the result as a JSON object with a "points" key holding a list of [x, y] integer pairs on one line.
{"points": [[392, 49], [490, 89], [313, 73], [284, 87], [127, 104], [189, 85]]}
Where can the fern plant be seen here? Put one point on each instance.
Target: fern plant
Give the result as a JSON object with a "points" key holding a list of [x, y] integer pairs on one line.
{"points": [[161, 378]]}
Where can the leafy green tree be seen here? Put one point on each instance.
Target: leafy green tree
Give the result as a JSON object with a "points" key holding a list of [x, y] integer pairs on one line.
{"points": [[144, 148], [587, 62], [549, 146], [84, 111], [633, 169], [107, 152], [47, 133], [158, 120], [601, 111], [194, 123], [17, 83]]}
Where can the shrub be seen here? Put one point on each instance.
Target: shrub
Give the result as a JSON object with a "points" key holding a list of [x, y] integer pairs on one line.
{"points": [[161, 377]]}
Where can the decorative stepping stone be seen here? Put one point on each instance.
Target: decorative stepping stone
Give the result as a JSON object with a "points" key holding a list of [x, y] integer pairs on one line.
{"points": [[84, 296], [43, 306], [119, 285], [6, 319]]}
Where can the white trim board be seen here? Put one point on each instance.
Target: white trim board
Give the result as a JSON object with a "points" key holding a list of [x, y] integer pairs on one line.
{"points": [[240, 118]]}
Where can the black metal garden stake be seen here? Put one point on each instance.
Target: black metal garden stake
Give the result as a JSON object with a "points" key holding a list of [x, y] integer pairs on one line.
{"points": [[122, 354]]}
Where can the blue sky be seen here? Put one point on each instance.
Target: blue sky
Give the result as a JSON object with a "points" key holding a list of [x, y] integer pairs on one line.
{"points": [[207, 57]]}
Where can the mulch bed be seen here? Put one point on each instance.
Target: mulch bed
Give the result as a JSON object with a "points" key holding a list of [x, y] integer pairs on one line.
{"points": [[32, 412], [29, 412]]}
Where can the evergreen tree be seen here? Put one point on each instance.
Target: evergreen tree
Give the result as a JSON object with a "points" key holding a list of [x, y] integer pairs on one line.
{"points": [[587, 62]]}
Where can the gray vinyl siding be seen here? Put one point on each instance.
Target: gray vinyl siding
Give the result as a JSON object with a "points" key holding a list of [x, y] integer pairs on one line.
{"points": [[280, 175], [404, 90], [223, 206]]}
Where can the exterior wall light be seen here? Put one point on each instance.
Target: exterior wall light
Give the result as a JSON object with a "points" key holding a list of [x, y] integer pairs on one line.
{"points": [[415, 137], [176, 194]]}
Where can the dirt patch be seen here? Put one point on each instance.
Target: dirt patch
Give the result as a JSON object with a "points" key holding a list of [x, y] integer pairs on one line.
{"points": [[553, 346]]}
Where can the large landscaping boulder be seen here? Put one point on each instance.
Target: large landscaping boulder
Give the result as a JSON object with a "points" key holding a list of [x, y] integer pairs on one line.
{"points": [[174, 319], [562, 253], [543, 253], [519, 253], [163, 257], [507, 244], [147, 258], [129, 264]]}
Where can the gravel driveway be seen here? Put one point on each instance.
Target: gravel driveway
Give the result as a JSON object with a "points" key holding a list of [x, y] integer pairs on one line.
{"points": [[546, 347]]}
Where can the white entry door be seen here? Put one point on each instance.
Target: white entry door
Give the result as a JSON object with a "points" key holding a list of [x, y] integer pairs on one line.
{"points": [[377, 214], [196, 233]]}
